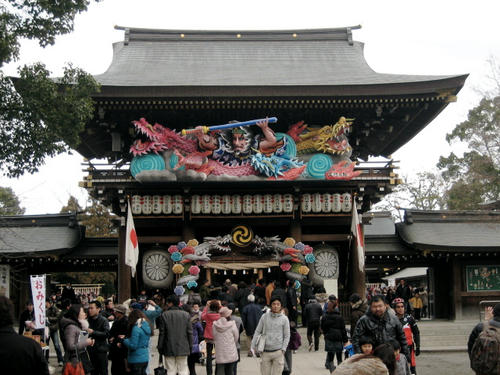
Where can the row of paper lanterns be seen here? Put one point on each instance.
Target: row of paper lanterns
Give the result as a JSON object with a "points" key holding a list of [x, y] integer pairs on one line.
{"points": [[157, 204], [238, 204], [325, 203]]}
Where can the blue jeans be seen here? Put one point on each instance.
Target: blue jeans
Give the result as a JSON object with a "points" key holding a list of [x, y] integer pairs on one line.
{"points": [[54, 336]]}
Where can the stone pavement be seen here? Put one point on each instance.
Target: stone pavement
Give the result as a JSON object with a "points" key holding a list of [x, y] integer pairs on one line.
{"points": [[443, 352]]}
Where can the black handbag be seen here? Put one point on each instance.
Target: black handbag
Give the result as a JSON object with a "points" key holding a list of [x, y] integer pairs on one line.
{"points": [[160, 370]]}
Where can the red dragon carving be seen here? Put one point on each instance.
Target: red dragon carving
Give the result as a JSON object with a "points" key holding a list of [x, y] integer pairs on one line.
{"points": [[343, 170]]}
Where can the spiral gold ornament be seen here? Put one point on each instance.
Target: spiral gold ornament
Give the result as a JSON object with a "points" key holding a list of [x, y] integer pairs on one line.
{"points": [[241, 236]]}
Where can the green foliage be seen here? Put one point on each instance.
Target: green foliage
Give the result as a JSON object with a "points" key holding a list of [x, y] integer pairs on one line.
{"points": [[39, 117], [96, 218], [72, 206], [9, 202], [474, 177], [40, 20]]}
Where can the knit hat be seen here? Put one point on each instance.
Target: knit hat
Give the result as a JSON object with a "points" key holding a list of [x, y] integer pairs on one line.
{"points": [[136, 306], [496, 310], [121, 309], [225, 312]]}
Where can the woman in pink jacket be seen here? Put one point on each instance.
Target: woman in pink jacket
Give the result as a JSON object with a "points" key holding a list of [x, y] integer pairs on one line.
{"points": [[225, 338], [209, 315]]}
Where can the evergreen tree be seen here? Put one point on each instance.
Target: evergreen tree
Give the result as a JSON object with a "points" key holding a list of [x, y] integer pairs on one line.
{"points": [[9, 202], [39, 117], [474, 177]]}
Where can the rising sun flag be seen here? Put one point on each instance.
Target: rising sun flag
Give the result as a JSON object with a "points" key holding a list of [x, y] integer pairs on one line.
{"points": [[357, 232], [132, 243]]}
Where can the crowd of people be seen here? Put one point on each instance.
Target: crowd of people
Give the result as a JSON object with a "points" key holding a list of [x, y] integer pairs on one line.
{"points": [[416, 298], [383, 337]]}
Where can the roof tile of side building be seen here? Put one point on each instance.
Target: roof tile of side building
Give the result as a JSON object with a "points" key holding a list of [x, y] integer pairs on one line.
{"points": [[321, 57], [451, 230]]}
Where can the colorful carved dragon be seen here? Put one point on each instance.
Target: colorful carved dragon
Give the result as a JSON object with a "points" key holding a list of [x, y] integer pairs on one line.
{"points": [[160, 138], [343, 170], [329, 139], [273, 165], [261, 245]]}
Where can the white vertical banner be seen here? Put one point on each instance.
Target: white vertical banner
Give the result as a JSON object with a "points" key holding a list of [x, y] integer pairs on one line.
{"points": [[5, 280], [38, 293], [131, 243]]}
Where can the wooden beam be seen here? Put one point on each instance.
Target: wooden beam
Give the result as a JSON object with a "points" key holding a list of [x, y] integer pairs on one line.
{"points": [[325, 237], [159, 239]]}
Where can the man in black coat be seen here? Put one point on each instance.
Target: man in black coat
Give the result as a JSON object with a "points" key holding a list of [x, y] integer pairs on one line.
{"points": [[403, 291], [69, 293], [18, 354], [176, 337], [313, 314], [118, 351], [380, 326], [250, 315], [291, 301], [280, 293], [99, 331]]}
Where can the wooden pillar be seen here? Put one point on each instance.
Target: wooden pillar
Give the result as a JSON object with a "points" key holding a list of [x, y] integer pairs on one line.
{"points": [[296, 230], [456, 287], [357, 274], [124, 272], [187, 232], [208, 274]]}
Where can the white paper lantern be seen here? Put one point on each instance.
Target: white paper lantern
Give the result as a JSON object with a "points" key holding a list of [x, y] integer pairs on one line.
{"points": [[316, 204], [226, 204], [306, 203], [157, 204], [177, 205], [206, 204], [278, 203], [135, 204], [216, 205], [247, 204], [147, 205], [236, 204], [195, 204], [346, 202], [167, 205], [258, 203], [337, 203], [268, 204], [326, 204], [288, 203]]}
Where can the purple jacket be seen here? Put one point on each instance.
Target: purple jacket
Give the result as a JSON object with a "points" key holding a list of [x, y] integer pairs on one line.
{"points": [[295, 340]]}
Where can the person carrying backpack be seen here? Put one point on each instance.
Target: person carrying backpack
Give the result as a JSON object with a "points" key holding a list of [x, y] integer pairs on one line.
{"points": [[484, 344]]}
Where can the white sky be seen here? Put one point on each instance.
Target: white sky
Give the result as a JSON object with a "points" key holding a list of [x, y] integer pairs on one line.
{"points": [[419, 37]]}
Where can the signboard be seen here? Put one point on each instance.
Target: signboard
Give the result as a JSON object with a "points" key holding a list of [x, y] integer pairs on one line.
{"points": [[482, 278], [38, 293], [5, 280]]}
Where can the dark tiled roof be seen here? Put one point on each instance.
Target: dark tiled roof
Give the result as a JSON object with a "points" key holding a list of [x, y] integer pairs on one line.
{"points": [[40, 233], [321, 57], [380, 224], [451, 230]]}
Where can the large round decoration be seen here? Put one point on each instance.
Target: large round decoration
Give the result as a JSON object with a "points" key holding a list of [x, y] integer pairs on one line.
{"points": [[149, 162], [157, 269], [327, 263], [290, 146], [241, 236], [318, 165]]}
